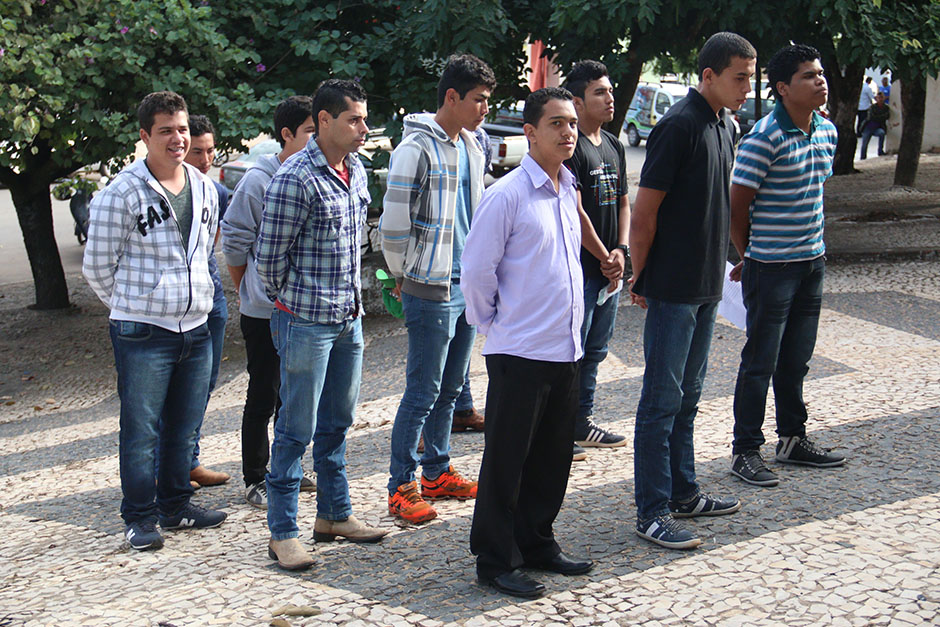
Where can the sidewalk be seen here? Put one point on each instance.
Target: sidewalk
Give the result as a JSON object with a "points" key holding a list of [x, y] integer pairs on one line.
{"points": [[851, 546]]}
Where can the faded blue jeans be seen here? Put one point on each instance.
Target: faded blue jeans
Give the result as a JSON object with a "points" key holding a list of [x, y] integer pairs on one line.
{"points": [[439, 346], [321, 369], [163, 382], [676, 341], [783, 302], [596, 331]]}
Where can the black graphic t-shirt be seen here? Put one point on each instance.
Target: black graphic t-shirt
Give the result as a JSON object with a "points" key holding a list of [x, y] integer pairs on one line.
{"points": [[601, 175]]}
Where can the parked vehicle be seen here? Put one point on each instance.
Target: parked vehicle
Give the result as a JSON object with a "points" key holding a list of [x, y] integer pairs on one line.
{"points": [[745, 116], [233, 171], [650, 103], [508, 144]]}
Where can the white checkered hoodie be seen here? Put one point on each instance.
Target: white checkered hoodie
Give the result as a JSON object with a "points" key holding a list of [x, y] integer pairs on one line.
{"points": [[135, 259]]}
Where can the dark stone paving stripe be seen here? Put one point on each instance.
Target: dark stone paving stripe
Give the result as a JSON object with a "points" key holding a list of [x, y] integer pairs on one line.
{"points": [[904, 312]]}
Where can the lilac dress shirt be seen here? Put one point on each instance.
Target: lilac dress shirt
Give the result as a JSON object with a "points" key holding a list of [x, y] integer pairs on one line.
{"points": [[521, 275]]}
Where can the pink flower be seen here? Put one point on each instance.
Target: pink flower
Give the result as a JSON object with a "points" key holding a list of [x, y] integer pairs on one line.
{"points": [[2, 51], [153, 31], [124, 30], [260, 67]]}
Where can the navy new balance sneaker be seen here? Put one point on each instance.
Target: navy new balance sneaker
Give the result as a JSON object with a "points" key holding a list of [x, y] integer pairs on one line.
{"points": [[195, 517]]}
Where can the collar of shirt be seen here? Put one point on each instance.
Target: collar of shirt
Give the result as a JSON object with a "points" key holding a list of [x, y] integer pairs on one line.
{"points": [[539, 178], [786, 122], [704, 109], [318, 159]]}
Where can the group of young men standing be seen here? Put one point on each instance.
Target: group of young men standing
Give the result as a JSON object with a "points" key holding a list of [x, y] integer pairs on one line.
{"points": [[535, 262]]}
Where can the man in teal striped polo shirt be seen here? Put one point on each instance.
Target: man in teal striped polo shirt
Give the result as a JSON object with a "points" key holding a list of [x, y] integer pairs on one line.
{"points": [[777, 229]]}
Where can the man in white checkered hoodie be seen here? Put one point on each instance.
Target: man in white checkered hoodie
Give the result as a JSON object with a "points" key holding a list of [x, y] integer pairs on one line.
{"points": [[150, 235]]}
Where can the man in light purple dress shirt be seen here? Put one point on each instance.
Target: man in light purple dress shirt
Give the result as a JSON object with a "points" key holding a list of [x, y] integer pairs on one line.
{"points": [[525, 236]]}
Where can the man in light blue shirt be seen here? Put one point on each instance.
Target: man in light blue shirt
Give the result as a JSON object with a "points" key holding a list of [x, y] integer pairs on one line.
{"points": [[523, 287]]}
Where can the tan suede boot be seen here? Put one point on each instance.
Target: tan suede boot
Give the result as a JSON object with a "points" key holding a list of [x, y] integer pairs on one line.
{"points": [[205, 477], [352, 529], [290, 554]]}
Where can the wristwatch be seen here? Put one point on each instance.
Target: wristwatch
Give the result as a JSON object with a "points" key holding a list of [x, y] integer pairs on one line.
{"points": [[625, 249]]}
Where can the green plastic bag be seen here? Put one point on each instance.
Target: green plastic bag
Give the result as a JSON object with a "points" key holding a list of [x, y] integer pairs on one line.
{"points": [[392, 304]]}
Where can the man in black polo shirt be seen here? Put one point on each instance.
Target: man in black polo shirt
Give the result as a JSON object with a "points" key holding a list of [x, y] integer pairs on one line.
{"points": [[678, 243], [600, 170]]}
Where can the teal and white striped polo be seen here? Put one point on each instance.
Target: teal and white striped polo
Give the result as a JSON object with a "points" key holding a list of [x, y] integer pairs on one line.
{"points": [[787, 167]]}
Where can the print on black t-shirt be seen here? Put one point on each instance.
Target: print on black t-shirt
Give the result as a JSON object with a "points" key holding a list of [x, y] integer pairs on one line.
{"points": [[601, 175]]}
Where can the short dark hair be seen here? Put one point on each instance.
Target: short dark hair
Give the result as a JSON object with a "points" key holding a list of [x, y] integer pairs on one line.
{"points": [[582, 74], [462, 73], [718, 50], [786, 62], [868, 79], [331, 97], [535, 103], [200, 125], [168, 102], [290, 114]]}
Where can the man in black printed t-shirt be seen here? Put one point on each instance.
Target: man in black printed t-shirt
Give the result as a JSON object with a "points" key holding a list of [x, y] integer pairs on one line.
{"points": [[600, 169]]}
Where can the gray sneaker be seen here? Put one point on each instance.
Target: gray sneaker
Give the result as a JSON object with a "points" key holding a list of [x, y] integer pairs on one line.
{"points": [[307, 484], [257, 495]]}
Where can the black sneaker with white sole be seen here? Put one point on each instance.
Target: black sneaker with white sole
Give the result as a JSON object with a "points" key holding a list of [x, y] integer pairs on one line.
{"points": [[802, 451], [193, 517], [703, 505], [749, 466], [578, 454], [596, 436], [256, 495], [666, 531], [143, 536]]}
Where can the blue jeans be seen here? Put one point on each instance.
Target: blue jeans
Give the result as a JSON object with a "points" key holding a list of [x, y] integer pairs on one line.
{"points": [[321, 369], [464, 400], [783, 301], [676, 340], [163, 382], [596, 331], [439, 346], [217, 319], [866, 137]]}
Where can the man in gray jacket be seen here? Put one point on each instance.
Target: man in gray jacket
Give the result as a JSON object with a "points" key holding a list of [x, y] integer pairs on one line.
{"points": [[150, 234], [293, 126], [435, 181]]}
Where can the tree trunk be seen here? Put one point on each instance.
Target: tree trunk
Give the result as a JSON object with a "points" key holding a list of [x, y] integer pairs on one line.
{"points": [[34, 211], [844, 90], [623, 94], [913, 101], [626, 86]]}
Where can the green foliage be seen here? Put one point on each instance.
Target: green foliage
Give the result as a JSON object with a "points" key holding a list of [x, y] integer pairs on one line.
{"points": [[74, 71]]}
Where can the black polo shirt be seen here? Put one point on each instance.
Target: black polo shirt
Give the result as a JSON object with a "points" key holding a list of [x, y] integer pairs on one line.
{"points": [[689, 155]]}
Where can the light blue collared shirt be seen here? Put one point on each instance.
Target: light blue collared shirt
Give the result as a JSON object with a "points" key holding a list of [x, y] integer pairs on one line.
{"points": [[521, 274]]}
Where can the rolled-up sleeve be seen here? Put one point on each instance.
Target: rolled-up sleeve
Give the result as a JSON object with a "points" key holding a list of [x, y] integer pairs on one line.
{"points": [[482, 253]]}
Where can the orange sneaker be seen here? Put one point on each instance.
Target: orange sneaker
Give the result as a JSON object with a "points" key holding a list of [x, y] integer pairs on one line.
{"points": [[408, 505], [450, 485]]}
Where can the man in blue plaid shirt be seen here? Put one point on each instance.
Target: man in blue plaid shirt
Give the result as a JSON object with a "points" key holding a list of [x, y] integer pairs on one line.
{"points": [[309, 261]]}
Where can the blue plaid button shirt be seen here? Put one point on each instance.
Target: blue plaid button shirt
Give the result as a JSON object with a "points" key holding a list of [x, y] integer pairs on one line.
{"points": [[308, 241]]}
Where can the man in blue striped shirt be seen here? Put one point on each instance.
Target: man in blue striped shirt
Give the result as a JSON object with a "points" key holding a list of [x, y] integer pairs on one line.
{"points": [[308, 259], [777, 229]]}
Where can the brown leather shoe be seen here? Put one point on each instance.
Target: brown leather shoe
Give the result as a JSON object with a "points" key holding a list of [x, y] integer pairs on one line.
{"points": [[290, 554], [467, 420], [352, 529], [205, 477]]}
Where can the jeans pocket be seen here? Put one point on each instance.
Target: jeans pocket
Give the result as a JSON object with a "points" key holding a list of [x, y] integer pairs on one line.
{"points": [[132, 331]]}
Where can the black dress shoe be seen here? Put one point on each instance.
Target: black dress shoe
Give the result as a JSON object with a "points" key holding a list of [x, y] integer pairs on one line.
{"points": [[515, 583], [563, 565]]}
